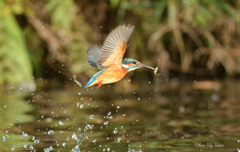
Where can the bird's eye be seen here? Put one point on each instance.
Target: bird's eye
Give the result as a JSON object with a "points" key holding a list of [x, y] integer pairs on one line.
{"points": [[134, 62]]}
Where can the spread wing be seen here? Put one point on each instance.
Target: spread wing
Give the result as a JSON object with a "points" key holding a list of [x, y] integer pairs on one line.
{"points": [[114, 46], [93, 55]]}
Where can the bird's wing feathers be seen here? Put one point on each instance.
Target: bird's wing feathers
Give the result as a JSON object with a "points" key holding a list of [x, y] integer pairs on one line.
{"points": [[93, 55], [114, 46]]}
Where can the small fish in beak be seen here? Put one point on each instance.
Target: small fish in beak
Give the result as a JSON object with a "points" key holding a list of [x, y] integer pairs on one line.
{"points": [[150, 68]]}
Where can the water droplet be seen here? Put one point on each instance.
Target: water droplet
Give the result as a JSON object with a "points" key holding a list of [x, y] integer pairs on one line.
{"points": [[94, 141], [119, 139], [36, 141], [20, 88], [79, 93], [31, 147], [74, 136], [109, 113], [61, 123], [50, 132], [115, 131], [5, 106], [3, 138], [33, 137], [46, 150], [138, 98], [25, 146], [82, 105], [76, 149], [88, 127], [51, 148], [92, 116], [25, 135], [105, 123], [181, 109], [64, 144], [79, 129], [118, 107], [214, 97], [77, 82]]}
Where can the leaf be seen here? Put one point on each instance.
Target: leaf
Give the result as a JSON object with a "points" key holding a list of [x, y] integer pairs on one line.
{"points": [[114, 3], [14, 60], [159, 9], [172, 13], [62, 13]]}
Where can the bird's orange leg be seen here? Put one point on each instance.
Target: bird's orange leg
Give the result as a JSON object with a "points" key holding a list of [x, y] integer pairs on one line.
{"points": [[99, 84]]}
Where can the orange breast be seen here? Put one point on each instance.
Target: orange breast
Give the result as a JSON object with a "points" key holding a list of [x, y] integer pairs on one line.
{"points": [[112, 74]]}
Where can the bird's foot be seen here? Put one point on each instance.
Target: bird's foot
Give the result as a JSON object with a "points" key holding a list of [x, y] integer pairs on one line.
{"points": [[99, 84]]}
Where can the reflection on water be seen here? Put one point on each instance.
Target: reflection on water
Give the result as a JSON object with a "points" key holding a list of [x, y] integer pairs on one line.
{"points": [[179, 117], [13, 116]]}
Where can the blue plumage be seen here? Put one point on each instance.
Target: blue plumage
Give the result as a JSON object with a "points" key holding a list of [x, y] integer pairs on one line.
{"points": [[94, 78], [93, 55], [109, 57], [129, 60]]}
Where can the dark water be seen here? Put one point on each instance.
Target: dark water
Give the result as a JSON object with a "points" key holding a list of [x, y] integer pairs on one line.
{"points": [[173, 116]]}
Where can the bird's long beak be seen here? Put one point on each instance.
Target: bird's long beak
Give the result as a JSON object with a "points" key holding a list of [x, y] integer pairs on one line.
{"points": [[147, 67]]}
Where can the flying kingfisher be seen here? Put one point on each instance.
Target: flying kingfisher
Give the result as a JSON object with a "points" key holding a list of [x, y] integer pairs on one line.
{"points": [[109, 58]]}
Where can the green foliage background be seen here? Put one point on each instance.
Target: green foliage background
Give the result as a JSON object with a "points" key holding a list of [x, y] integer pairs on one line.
{"points": [[48, 39]]}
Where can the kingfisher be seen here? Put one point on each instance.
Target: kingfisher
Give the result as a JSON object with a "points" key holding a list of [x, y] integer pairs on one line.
{"points": [[109, 57]]}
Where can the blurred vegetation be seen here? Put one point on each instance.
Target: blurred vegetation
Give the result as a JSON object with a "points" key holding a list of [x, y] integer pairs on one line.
{"points": [[48, 39]]}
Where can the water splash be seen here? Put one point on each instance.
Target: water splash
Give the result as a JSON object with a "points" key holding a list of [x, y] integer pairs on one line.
{"points": [[24, 135], [76, 148], [76, 81], [74, 136]]}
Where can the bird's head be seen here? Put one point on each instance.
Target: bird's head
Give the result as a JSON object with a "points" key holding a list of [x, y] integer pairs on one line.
{"points": [[131, 64]]}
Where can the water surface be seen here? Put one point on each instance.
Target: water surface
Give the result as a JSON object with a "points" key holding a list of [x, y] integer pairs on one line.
{"points": [[173, 116]]}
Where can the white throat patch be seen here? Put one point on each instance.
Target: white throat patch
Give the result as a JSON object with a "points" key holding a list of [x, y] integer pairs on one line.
{"points": [[125, 66]]}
